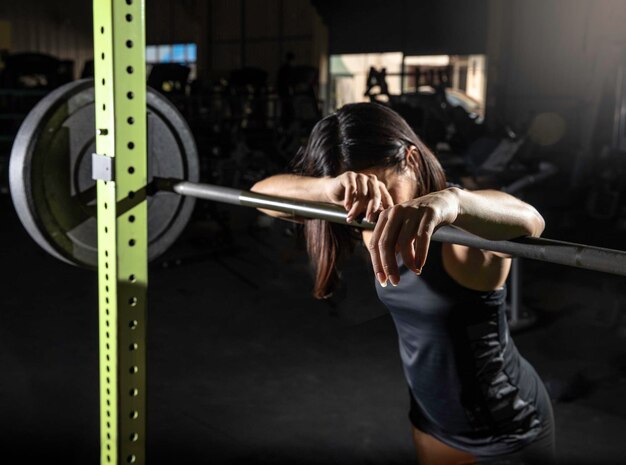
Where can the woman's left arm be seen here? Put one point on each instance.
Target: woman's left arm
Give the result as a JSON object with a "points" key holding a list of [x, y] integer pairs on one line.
{"points": [[407, 228], [496, 215]]}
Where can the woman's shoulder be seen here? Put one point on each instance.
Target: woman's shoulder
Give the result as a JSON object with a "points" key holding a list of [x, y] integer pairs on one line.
{"points": [[468, 268]]}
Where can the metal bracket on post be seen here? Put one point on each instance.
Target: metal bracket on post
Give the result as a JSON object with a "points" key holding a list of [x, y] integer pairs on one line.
{"points": [[119, 168], [102, 168]]}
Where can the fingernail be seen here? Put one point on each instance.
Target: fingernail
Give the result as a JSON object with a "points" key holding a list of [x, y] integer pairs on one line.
{"points": [[394, 280], [382, 279], [418, 271], [349, 219]]}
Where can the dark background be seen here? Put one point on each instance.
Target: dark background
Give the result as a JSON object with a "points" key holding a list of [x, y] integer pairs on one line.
{"points": [[244, 365]]}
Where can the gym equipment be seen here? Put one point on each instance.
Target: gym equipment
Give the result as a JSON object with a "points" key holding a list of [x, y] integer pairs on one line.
{"points": [[122, 227], [35, 71], [47, 194], [52, 188], [51, 180]]}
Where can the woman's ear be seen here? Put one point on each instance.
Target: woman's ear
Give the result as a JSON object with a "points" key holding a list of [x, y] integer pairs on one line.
{"points": [[411, 157]]}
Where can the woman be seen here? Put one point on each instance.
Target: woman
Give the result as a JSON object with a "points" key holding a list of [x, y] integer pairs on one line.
{"points": [[473, 398]]}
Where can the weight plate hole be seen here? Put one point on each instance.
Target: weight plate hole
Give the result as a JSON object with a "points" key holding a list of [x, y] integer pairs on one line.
{"points": [[129, 43], [104, 107], [130, 95], [132, 278], [130, 120], [134, 392], [130, 69], [131, 170], [102, 30], [103, 81], [129, 2], [134, 437], [134, 369], [131, 219], [131, 459], [131, 195], [133, 347], [132, 301], [129, 17], [131, 145], [133, 324]]}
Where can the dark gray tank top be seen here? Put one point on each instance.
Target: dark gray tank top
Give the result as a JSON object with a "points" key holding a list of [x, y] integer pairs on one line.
{"points": [[473, 389]]}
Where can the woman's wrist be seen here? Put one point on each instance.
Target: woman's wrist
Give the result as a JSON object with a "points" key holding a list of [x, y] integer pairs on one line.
{"points": [[455, 197]]}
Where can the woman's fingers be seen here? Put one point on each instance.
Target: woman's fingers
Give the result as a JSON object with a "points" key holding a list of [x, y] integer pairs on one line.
{"points": [[375, 202], [363, 194], [407, 231], [350, 189], [386, 199], [372, 247], [406, 237], [360, 198], [387, 241], [427, 225]]}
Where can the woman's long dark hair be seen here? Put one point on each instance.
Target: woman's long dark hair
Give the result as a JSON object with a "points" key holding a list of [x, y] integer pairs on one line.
{"points": [[358, 136]]}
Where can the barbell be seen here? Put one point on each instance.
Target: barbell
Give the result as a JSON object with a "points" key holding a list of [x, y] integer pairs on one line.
{"points": [[53, 190]]}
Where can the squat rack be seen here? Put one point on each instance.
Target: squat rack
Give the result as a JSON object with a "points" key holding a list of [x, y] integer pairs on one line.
{"points": [[120, 96]]}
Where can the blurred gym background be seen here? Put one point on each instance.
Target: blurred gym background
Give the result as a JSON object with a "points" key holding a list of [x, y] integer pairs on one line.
{"points": [[528, 96]]}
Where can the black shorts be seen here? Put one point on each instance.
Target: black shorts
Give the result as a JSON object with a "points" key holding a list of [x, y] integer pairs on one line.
{"points": [[539, 452]]}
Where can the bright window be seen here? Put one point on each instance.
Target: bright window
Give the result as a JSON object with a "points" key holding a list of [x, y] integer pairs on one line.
{"points": [[184, 54], [465, 77]]}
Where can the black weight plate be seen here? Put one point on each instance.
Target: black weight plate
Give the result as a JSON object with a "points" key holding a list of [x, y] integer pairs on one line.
{"points": [[50, 173]]}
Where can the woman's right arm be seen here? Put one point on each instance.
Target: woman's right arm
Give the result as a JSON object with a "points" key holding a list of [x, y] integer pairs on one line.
{"points": [[291, 186], [357, 193]]}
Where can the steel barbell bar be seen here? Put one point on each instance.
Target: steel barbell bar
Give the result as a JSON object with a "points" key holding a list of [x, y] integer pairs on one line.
{"points": [[534, 248]]}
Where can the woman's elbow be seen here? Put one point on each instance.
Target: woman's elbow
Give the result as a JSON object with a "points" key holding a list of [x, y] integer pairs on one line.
{"points": [[259, 187], [536, 223]]}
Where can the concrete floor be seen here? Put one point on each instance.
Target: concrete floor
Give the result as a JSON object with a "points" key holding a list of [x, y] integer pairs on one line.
{"points": [[245, 367]]}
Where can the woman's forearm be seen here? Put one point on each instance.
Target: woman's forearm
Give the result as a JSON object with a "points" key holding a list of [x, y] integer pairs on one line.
{"points": [[496, 215], [291, 186]]}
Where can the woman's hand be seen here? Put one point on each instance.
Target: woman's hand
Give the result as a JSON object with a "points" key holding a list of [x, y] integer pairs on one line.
{"points": [[359, 193], [407, 228]]}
